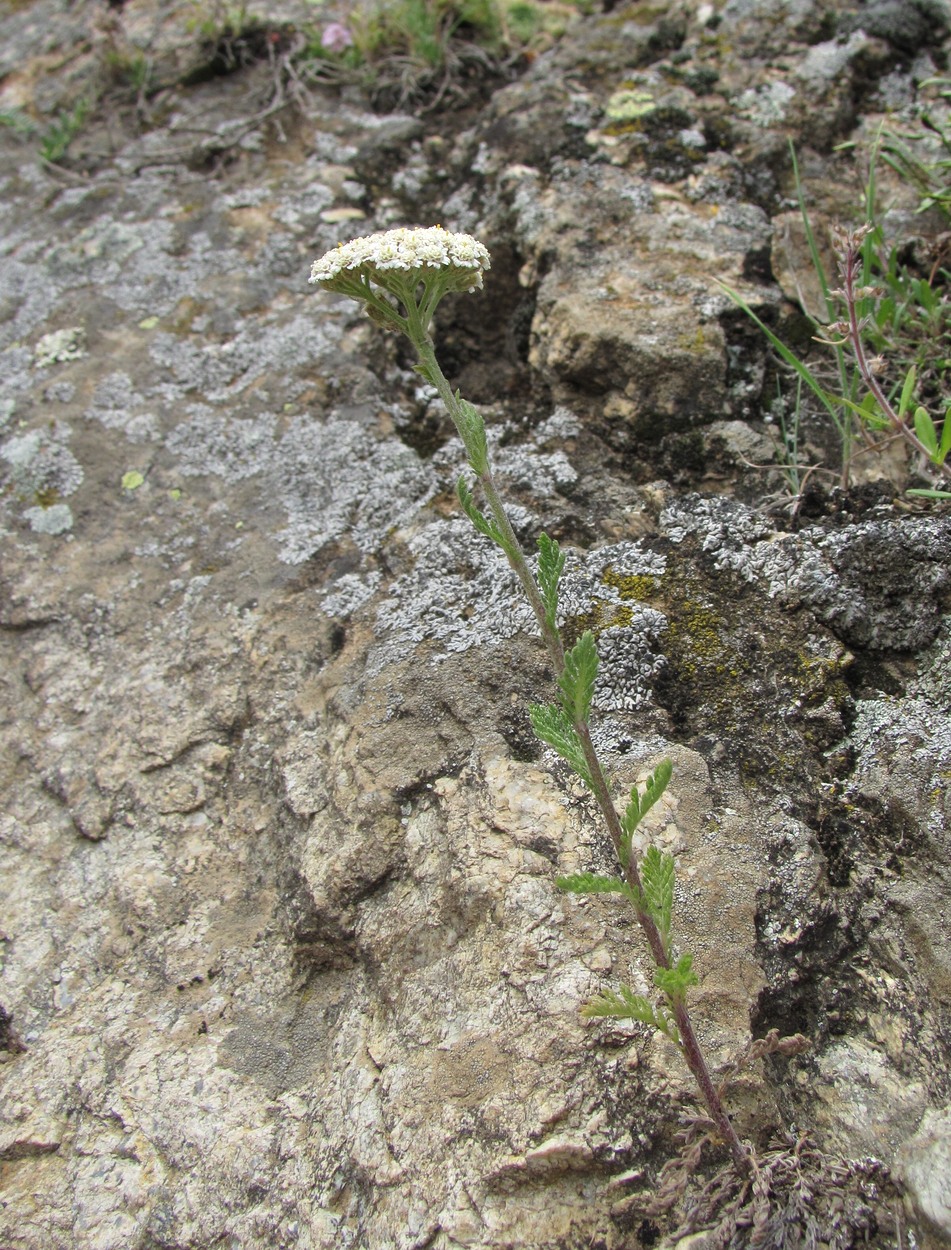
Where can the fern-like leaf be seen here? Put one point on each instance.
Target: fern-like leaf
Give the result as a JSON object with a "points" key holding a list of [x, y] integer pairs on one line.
{"points": [[472, 432], [592, 883], [578, 678], [626, 1005], [478, 519], [551, 563], [552, 726], [657, 878], [642, 801], [676, 981]]}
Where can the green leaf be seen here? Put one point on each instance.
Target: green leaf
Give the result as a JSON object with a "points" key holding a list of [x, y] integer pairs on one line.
{"points": [[945, 447], [577, 680], [592, 883], [551, 563], [641, 803], [906, 392], [817, 264], [478, 519], [657, 879], [802, 370], [871, 413], [626, 1005], [552, 726], [675, 981], [927, 434], [472, 433]]}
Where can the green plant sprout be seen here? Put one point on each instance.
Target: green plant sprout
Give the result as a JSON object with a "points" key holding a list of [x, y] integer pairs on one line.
{"points": [[930, 175], [60, 134], [400, 276], [889, 310], [417, 49], [805, 376], [877, 411]]}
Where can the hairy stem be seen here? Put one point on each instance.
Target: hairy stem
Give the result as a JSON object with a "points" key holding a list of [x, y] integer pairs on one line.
{"points": [[690, 1046]]}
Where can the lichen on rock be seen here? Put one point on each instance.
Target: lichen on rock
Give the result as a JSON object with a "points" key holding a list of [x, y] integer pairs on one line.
{"points": [[284, 963]]}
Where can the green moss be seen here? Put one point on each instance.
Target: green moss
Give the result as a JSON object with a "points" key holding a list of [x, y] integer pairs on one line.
{"points": [[694, 342], [693, 637], [745, 674]]}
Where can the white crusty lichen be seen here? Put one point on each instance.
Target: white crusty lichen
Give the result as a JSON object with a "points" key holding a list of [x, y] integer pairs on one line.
{"points": [[457, 597], [60, 346], [56, 519]]}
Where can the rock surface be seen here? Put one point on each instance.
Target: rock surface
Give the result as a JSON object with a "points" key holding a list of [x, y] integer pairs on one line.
{"points": [[282, 958]]}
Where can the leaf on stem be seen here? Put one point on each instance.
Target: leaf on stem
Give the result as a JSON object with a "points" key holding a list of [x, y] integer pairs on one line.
{"points": [[578, 677], [626, 1005], [907, 391], [472, 433], [478, 519], [592, 883], [926, 431], [945, 447], [641, 803], [553, 726], [551, 563], [657, 879], [425, 372], [676, 980]]}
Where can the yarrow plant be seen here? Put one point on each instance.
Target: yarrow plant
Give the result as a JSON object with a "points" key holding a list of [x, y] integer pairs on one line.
{"points": [[401, 275]]}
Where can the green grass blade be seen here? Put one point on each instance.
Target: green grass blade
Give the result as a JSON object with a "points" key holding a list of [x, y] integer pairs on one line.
{"points": [[803, 372]]}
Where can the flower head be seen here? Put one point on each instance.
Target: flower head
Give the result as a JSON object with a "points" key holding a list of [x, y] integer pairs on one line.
{"points": [[457, 259]]}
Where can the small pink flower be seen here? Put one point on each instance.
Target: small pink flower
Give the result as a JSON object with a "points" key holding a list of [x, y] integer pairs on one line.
{"points": [[336, 37]]}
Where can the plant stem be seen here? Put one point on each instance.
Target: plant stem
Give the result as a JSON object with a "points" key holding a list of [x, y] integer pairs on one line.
{"points": [[690, 1046], [849, 261]]}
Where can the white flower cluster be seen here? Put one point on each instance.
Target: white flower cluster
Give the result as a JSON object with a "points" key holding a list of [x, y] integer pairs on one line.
{"points": [[405, 250]]}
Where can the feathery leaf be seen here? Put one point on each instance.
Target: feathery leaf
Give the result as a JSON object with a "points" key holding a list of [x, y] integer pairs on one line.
{"points": [[626, 1005], [592, 883], [552, 726], [551, 563], [657, 877], [675, 981], [478, 519], [472, 432], [642, 802], [578, 678]]}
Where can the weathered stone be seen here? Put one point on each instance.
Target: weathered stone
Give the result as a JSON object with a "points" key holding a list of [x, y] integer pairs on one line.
{"points": [[925, 1163], [284, 963]]}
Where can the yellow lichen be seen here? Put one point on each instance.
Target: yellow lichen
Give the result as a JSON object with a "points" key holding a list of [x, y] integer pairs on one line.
{"points": [[639, 587]]}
